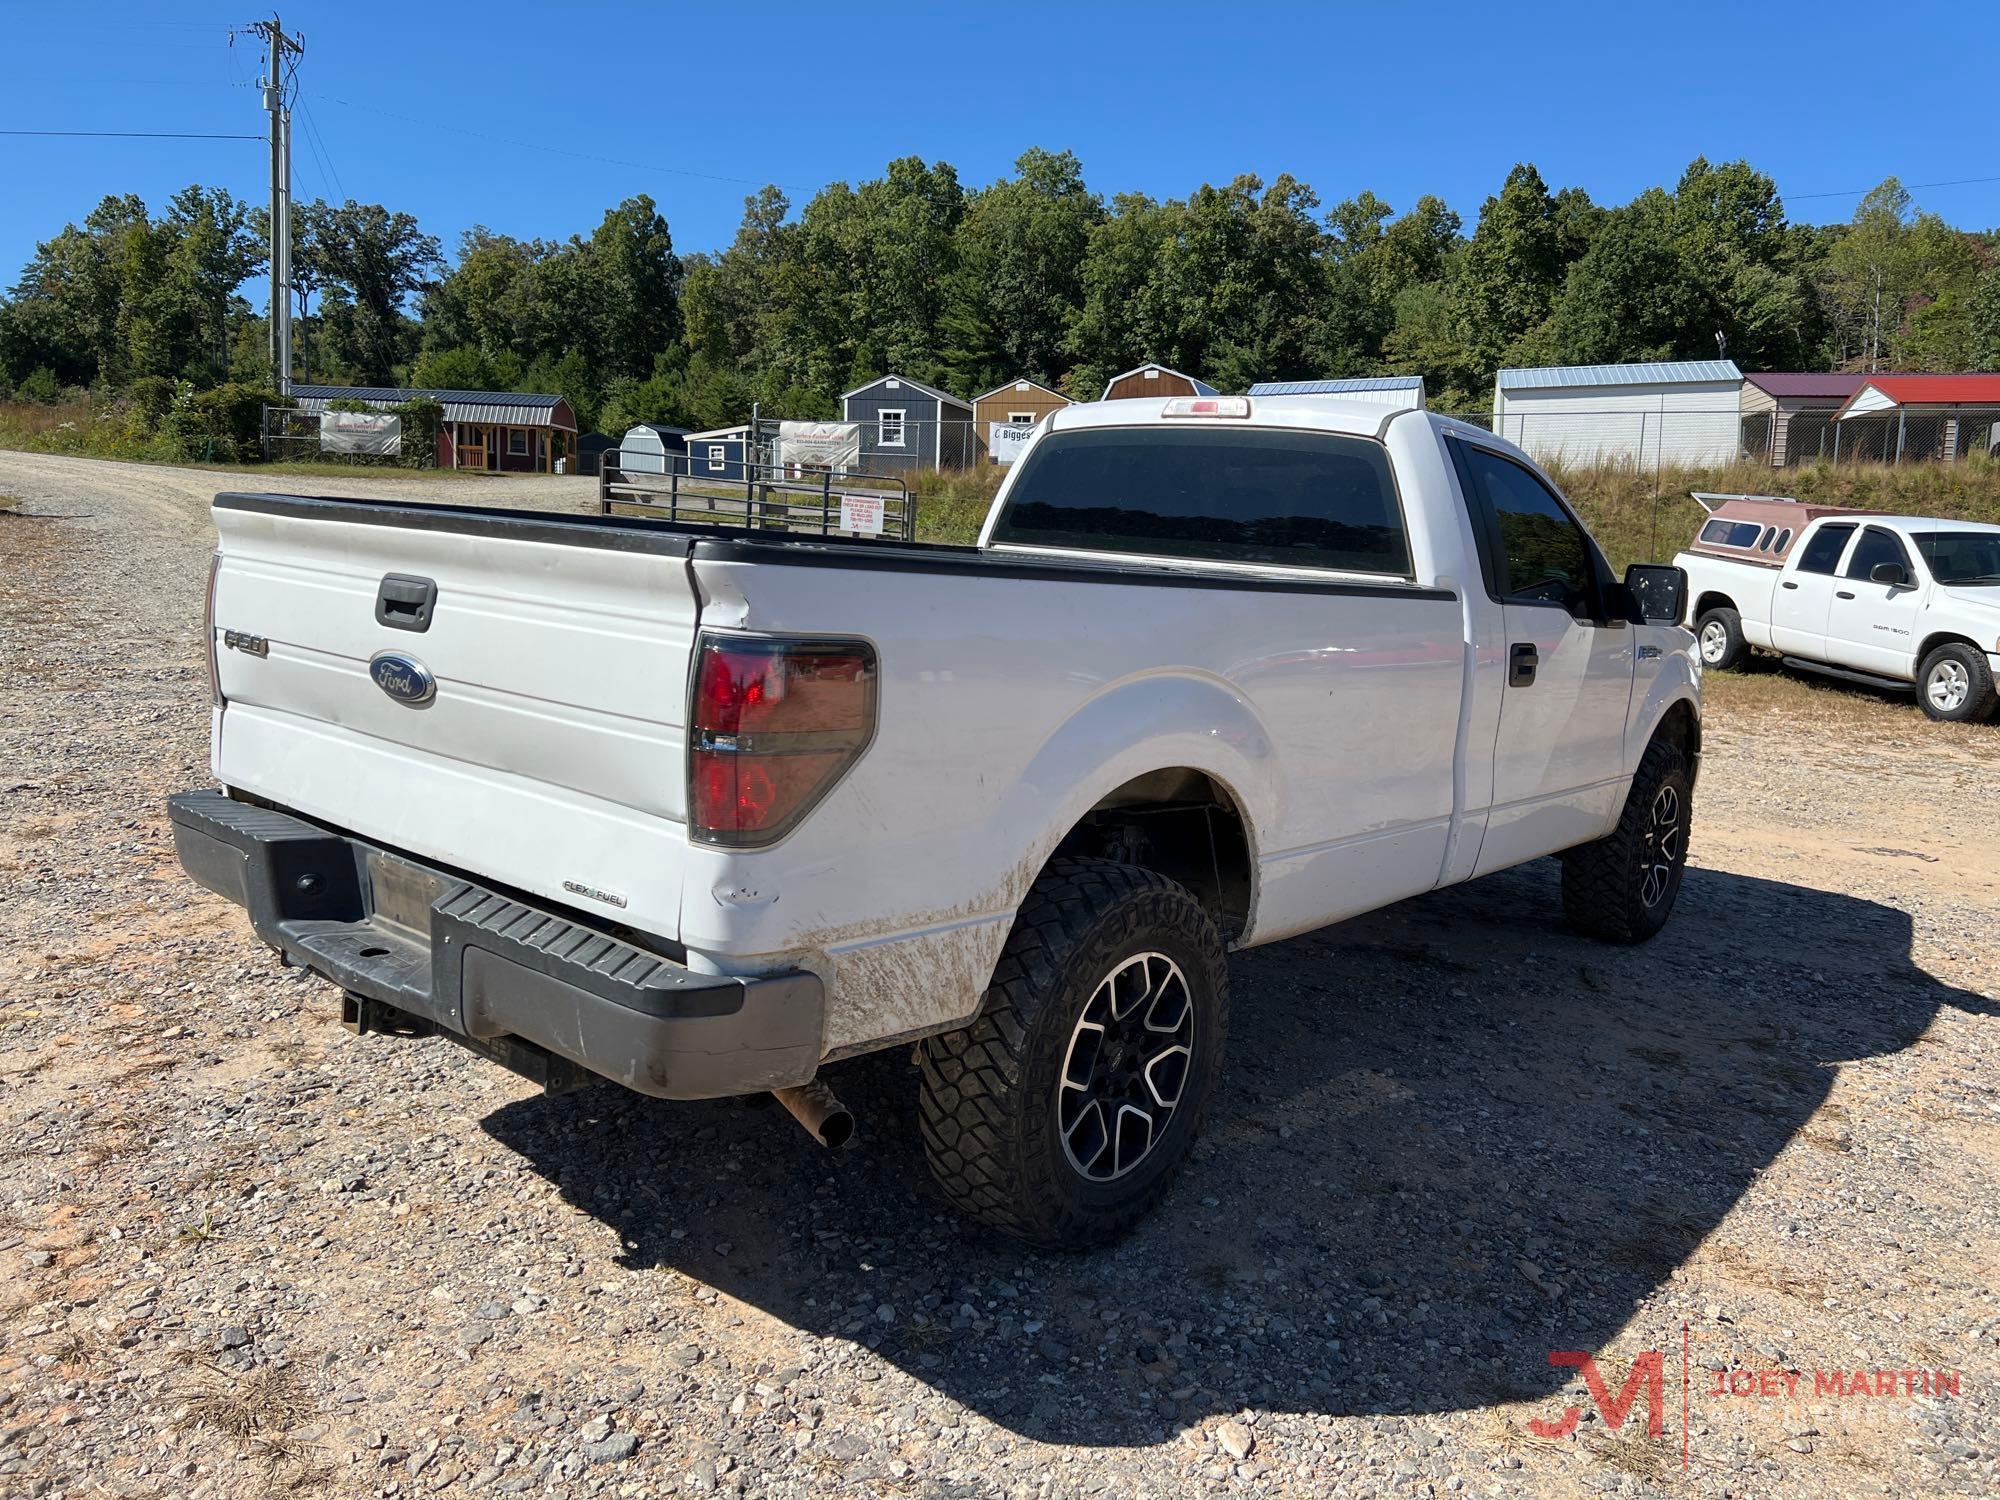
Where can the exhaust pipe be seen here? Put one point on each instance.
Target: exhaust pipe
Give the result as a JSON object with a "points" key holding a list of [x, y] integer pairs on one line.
{"points": [[825, 1118]]}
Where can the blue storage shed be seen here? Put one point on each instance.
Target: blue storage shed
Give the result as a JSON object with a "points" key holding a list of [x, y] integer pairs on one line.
{"points": [[906, 424], [720, 454]]}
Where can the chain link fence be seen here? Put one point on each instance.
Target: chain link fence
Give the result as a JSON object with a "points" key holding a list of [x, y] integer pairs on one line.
{"points": [[1646, 441], [1655, 440]]}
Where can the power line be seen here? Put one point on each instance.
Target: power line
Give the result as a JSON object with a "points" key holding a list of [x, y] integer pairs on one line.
{"points": [[611, 161], [139, 135], [1913, 187]]}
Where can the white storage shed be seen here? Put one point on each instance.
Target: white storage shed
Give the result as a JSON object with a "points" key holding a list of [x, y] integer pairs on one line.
{"points": [[1683, 412]]}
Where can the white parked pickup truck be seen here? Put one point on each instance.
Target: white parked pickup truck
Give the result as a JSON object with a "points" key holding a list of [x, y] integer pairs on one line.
{"points": [[702, 810], [1893, 601]]}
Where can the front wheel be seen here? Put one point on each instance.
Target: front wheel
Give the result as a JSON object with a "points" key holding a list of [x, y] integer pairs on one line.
{"points": [[1061, 1115], [1622, 888], [1955, 685]]}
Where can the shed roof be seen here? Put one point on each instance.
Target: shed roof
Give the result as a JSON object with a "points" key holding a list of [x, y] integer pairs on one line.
{"points": [[515, 408], [1201, 387], [741, 430], [1667, 372], [1787, 383], [1885, 392], [1015, 385], [1338, 387], [917, 385], [661, 428]]}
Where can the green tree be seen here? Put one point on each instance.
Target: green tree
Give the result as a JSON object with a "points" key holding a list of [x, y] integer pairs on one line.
{"points": [[1018, 283], [632, 254], [374, 261]]}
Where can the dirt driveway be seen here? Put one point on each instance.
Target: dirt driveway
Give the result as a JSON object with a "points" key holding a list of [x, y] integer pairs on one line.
{"points": [[243, 1251]]}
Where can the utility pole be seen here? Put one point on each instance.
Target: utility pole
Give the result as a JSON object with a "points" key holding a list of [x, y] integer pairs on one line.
{"points": [[277, 73]]}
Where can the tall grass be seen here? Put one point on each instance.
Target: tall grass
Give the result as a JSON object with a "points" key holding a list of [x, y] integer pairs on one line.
{"points": [[1636, 516], [1648, 517]]}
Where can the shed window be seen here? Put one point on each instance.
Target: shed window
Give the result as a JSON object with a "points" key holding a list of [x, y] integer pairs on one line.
{"points": [[889, 427], [716, 454], [1021, 418], [517, 442]]}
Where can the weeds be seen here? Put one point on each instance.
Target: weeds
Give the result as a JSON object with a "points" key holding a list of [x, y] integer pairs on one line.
{"points": [[197, 1234]]}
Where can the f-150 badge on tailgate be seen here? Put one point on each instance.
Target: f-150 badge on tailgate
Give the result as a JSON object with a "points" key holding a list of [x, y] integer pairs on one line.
{"points": [[403, 678]]}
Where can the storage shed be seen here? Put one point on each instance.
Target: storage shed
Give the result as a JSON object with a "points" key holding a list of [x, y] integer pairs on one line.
{"points": [[724, 453], [1399, 392], [1018, 403], [1899, 418], [653, 448], [590, 450], [1683, 412], [501, 432], [906, 424], [1788, 415], [1155, 380]]}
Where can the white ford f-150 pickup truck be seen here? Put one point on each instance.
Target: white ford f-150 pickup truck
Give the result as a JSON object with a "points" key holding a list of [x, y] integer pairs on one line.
{"points": [[701, 810], [1893, 601]]}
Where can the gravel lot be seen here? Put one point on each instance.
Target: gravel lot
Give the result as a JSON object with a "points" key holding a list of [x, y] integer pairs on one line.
{"points": [[242, 1251]]}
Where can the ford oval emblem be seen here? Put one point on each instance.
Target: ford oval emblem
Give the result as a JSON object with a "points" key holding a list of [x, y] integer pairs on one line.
{"points": [[403, 678]]}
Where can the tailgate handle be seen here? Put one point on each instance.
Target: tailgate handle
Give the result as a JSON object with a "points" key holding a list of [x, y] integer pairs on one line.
{"points": [[405, 601]]}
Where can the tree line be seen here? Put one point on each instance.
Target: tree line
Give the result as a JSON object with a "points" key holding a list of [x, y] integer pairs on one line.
{"points": [[1036, 275]]}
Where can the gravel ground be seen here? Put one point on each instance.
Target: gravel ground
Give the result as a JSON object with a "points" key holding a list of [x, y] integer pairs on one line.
{"points": [[242, 1251]]}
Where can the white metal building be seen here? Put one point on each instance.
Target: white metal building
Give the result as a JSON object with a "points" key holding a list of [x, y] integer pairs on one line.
{"points": [[1400, 392], [1686, 412]]}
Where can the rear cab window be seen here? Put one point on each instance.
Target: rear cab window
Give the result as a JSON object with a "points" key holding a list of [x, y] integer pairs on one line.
{"points": [[1265, 496], [1821, 553]]}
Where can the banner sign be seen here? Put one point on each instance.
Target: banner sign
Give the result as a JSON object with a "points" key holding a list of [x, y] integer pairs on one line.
{"points": [[819, 445], [360, 432], [1005, 440]]}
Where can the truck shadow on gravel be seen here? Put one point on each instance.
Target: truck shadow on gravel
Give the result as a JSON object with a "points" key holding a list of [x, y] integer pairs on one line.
{"points": [[1451, 1138]]}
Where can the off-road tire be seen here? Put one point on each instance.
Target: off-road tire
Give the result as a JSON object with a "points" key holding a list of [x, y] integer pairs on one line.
{"points": [[1606, 884], [1724, 626], [988, 1102], [1963, 675]]}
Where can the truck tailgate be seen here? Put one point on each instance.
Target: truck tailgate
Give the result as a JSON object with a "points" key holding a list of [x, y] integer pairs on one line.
{"points": [[550, 756]]}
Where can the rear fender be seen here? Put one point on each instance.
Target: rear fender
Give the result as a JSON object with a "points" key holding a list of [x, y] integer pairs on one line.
{"points": [[1144, 724]]}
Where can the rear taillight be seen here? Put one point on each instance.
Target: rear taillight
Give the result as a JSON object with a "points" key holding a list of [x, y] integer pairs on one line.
{"points": [[208, 631], [773, 725]]}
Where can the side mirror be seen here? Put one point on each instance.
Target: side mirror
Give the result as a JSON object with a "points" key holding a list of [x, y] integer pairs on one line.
{"points": [[1658, 592], [1894, 574]]}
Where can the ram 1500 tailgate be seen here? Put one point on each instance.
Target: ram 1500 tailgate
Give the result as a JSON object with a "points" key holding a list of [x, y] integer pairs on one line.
{"points": [[500, 693]]}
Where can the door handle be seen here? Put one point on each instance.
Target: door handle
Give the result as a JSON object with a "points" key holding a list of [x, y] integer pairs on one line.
{"points": [[1788, 584], [1522, 660], [1842, 594], [404, 602]]}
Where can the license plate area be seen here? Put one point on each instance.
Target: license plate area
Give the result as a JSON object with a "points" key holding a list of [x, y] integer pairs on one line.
{"points": [[402, 893]]}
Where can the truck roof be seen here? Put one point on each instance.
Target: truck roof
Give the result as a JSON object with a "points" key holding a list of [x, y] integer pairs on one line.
{"points": [[1323, 413]]}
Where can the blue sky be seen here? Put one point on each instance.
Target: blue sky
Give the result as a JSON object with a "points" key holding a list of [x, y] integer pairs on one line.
{"points": [[460, 120]]}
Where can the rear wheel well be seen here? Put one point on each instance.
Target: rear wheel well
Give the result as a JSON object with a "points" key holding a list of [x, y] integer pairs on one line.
{"points": [[1183, 824], [1713, 600]]}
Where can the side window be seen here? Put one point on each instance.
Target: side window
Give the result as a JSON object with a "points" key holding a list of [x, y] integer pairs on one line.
{"points": [[1822, 553], [1876, 547], [716, 455], [1539, 555], [889, 427]]}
